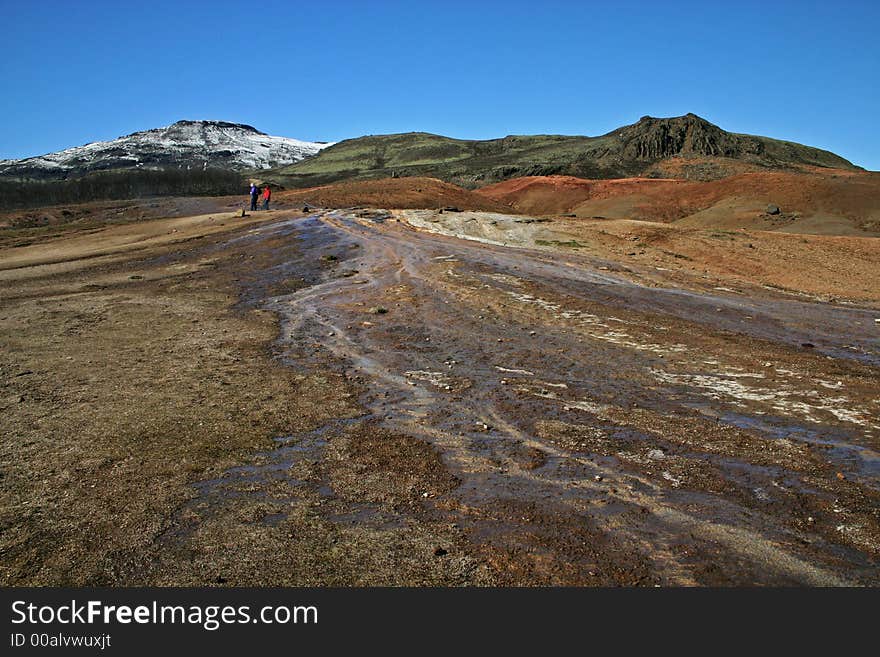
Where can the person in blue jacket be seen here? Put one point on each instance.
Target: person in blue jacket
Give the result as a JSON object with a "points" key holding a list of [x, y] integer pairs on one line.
{"points": [[255, 193]]}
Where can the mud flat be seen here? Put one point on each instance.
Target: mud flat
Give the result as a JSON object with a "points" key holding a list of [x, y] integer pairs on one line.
{"points": [[409, 397]]}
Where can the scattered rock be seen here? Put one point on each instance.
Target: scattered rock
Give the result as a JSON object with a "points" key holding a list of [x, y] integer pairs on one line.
{"points": [[377, 310], [656, 454], [773, 209]]}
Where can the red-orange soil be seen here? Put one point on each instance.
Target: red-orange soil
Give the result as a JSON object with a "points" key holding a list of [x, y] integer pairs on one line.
{"points": [[400, 193], [822, 201]]}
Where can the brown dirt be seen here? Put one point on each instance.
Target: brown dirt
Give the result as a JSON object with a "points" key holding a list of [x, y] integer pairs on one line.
{"points": [[215, 400], [830, 268], [820, 201], [129, 377], [391, 193], [102, 213]]}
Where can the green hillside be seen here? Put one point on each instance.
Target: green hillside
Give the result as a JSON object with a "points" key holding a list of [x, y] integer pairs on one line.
{"points": [[627, 151]]}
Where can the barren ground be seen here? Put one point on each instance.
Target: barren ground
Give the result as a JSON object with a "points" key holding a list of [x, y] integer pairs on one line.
{"points": [[363, 397], [813, 201]]}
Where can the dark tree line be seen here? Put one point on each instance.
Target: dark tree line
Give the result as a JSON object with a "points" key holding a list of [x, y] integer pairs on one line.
{"points": [[116, 185]]}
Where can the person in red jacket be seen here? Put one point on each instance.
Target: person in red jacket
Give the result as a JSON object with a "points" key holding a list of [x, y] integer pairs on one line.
{"points": [[266, 196]]}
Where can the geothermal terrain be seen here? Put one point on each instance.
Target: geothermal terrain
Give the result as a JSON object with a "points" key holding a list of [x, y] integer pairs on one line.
{"points": [[662, 378]]}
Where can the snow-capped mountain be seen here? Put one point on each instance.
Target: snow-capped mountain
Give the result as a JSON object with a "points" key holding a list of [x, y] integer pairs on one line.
{"points": [[185, 144]]}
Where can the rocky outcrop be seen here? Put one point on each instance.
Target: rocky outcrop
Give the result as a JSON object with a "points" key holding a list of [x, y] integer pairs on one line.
{"points": [[654, 139]]}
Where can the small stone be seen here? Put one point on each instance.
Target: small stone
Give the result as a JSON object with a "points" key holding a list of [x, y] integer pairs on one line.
{"points": [[598, 478]]}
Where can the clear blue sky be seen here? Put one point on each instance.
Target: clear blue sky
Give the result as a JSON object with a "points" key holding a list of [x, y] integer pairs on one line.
{"points": [[80, 71]]}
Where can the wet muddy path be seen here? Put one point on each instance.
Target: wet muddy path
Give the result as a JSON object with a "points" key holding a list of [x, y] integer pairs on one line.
{"points": [[600, 431]]}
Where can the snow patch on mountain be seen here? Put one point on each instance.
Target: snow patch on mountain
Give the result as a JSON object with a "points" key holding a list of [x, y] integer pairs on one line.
{"points": [[185, 144]]}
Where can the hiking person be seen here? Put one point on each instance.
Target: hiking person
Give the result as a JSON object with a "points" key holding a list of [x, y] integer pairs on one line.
{"points": [[266, 195], [255, 193]]}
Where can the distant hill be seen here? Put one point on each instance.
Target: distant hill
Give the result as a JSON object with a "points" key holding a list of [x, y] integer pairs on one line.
{"points": [[644, 148], [188, 145]]}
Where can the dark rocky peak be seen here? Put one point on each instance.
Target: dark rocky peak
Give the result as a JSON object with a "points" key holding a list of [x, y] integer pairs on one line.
{"points": [[657, 138], [224, 125]]}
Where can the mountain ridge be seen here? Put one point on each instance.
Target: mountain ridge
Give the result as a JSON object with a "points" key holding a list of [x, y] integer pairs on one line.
{"points": [[632, 150], [185, 144], [687, 146]]}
